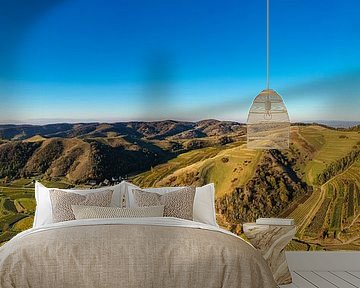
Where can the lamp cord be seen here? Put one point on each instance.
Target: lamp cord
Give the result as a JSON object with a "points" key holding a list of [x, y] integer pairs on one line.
{"points": [[267, 43]]}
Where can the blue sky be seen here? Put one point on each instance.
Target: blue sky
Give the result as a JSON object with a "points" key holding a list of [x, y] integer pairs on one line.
{"points": [[95, 60]]}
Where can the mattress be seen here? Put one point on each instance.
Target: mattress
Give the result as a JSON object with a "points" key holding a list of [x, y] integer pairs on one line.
{"points": [[137, 252]]}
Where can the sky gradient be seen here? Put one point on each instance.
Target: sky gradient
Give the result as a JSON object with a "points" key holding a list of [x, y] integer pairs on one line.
{"points": [[72, 61]]}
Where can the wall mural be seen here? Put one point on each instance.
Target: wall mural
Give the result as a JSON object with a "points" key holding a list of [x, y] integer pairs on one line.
{"points": [[84, 104]]}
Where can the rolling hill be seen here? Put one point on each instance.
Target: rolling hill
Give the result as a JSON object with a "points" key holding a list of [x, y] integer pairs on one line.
{"points": [[316, 181], [95, 151], [251, 184], [135, 129]]}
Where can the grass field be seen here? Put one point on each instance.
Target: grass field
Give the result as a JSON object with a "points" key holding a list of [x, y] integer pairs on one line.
{"points": [[227, 166], [329, 146], [23, 224], [27, 204]]}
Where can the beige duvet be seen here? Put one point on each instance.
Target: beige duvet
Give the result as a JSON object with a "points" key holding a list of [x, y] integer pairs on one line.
{"points": [[157, 252]]}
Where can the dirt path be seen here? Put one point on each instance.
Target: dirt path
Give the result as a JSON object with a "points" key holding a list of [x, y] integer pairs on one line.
{"points": [[312, 211]]}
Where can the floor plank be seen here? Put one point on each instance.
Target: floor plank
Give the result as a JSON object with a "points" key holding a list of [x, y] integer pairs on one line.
{"points": [[316, 280], [355, 273], [347, 277], [292, 285], [338, 282], [301, 281]]}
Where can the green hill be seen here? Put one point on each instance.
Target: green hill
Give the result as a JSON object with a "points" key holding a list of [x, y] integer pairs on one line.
{"points": [[251, 183]]}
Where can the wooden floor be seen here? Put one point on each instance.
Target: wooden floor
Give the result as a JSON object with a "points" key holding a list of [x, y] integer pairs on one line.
{"points": [[324, 269], [324, 279]]}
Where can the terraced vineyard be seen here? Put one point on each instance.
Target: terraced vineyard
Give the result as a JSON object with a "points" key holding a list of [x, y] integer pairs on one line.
{"points": [[337, 221], [17, 206], [300, 213], [317, 222], [11, 214]]}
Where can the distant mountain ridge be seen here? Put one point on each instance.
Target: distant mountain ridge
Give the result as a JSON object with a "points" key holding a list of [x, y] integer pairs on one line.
{"points": [[84, 151], [140, 129], [336, 123]]}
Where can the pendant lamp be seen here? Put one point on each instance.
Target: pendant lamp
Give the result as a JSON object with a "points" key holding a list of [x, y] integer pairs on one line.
{"points": [[268, 123]]}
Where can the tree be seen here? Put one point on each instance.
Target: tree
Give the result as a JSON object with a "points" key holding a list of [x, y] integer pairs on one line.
{"points": [[283, 192]]}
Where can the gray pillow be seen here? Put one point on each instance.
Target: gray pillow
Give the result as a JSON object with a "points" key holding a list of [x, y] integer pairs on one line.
{"points": [[61, 202], [94, 212], [177, 204]]}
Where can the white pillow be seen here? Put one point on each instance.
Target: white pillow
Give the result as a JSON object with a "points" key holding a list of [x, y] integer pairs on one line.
{"points": [[43, 212], [204, 202], [204, 205]]}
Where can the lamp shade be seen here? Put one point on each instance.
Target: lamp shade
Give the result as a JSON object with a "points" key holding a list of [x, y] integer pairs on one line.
{"points": [[268, 123]]}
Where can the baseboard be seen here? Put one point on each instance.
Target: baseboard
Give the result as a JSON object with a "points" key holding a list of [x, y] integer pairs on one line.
{"points": [[323, 261]]}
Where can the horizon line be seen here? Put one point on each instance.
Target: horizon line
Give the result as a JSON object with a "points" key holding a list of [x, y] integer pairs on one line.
{"points": [[39, 122]]}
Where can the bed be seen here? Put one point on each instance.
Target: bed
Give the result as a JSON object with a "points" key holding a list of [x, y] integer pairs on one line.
{"points": [[131, 252]]}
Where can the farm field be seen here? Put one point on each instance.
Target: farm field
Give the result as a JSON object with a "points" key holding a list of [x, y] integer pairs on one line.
{"points": [[17, 206]]}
